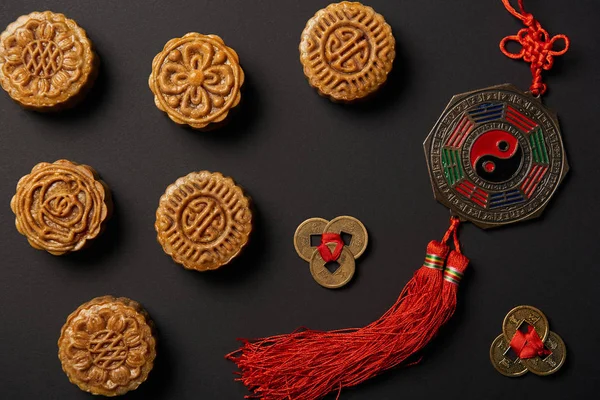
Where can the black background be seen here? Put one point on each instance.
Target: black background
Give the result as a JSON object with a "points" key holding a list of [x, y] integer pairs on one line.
{"points": [[299, 155]]}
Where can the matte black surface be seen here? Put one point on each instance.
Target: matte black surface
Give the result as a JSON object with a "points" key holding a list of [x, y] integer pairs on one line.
{"points": [[299, 155]]}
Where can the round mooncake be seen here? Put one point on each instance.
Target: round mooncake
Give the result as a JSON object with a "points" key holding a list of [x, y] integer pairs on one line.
{"points": [[46, 61], [59, 207], [203, 220], [196, 80], [107, 346], [347, 51]]}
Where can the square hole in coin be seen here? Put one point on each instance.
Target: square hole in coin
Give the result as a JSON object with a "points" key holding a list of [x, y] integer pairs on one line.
{"points": [[315, 240], [346, 238], [546, 357], [510, 354], [332, 266], [523, 326]]}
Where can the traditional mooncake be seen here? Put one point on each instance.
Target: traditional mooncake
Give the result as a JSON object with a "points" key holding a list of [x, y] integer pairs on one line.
{"points": [[347, 51], [196, 80], [59, 207], [46, 61], [107, 346], [203, 220]]}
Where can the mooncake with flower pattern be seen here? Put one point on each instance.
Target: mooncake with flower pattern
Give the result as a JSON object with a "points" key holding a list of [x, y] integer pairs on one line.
{"points": [[196, 80]]}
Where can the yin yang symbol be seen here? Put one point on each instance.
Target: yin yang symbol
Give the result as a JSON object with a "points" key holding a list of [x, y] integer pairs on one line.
{"points": [[496, 156]]}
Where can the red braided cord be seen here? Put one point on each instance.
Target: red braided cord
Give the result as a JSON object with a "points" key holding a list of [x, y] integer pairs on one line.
{"points": [[536, 46], [454, 223]]}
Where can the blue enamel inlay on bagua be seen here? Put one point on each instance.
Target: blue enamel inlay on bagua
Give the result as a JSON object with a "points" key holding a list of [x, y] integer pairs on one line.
{"points": [[513, 196], [487, 112]]}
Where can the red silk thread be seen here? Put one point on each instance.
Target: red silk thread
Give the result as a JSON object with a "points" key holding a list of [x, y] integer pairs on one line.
{"points": [[308, 364], [528, 344], [536, 46], [326, 253]]}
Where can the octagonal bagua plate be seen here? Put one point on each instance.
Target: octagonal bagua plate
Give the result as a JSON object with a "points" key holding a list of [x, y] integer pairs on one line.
{"points": [[495, 156]]}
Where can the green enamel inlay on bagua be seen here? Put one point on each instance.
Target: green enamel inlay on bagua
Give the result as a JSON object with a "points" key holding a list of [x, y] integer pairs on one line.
{"points": [[447, 170], [452, 168], [540, 154], [458, 166]]}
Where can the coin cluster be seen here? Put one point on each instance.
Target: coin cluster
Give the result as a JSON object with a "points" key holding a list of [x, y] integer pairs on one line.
{"points": [[321, 242], [527, 319]]}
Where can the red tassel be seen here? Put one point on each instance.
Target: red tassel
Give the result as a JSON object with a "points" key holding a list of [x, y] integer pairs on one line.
{"points": [[308, 364]]}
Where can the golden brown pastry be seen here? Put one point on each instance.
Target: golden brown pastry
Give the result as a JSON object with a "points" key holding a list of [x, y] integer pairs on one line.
{"points": [[203, 220], [107, 346], [347, 51], [46, 61], [196, 80], [60, 206]]}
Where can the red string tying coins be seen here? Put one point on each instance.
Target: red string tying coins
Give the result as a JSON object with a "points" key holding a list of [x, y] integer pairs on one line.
{"points": [[536, 46], [326, 253], [528, 344], [308, 364]]}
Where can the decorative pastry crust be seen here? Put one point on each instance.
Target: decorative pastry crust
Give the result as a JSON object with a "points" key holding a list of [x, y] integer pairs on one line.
{"points": [[106, 346], [60, 206], [203, 220], [196, 80], [46, 61], [347, 50]]}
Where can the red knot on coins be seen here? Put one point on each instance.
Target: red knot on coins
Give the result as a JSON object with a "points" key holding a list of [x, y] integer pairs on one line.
{"points": [[527, 344], [331, 248]]}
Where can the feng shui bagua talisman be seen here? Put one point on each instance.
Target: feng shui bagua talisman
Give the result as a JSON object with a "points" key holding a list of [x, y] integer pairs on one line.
{"points": [[495, 157]]}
